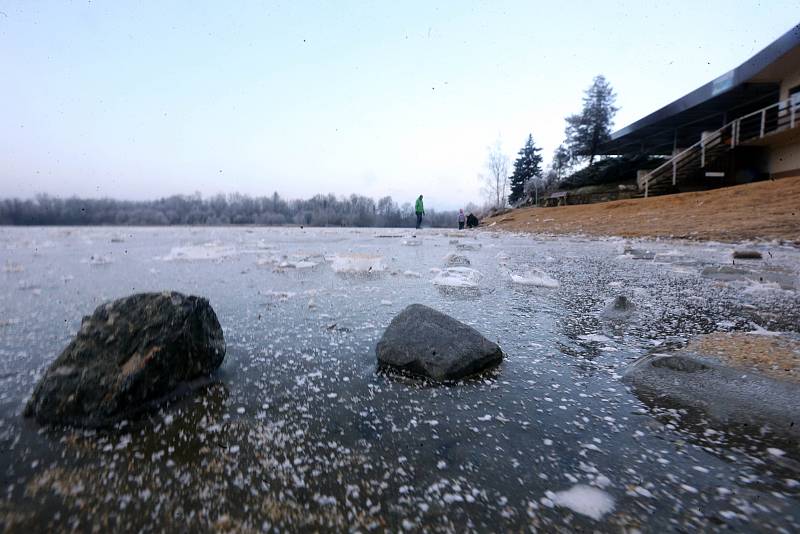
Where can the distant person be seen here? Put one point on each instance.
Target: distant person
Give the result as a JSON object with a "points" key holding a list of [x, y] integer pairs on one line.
{"points": [[461, 219], [420, 211]]}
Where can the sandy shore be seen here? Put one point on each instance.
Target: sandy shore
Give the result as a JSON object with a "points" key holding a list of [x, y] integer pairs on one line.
{"points": [[776, 357], [767, 210]]}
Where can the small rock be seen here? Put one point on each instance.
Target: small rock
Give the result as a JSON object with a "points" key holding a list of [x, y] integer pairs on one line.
{"points": [[423, 341], [618, 309]]}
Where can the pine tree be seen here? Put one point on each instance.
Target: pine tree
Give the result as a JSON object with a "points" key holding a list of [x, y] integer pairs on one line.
{"points": [[561, 161], [590, 128], [527, 167]]}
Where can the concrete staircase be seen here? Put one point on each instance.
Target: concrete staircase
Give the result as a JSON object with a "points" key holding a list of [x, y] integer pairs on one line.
{"points": [[750, 129]]}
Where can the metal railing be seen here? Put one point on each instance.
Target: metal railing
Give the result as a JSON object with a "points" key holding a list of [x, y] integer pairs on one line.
{"points": [[775, 118]]}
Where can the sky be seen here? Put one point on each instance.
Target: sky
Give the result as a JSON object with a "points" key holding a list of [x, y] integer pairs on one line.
{"points": [[140, 100]]}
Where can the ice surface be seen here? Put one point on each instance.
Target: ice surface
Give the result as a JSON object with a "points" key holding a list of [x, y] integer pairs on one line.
{"points": [[299, 404], [583, 499]]}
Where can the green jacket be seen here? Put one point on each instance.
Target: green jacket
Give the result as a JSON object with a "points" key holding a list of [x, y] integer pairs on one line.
{"points": [[418, 206]]}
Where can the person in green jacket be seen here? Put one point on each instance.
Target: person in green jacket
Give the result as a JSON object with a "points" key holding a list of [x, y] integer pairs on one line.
{"points": [[420, 210]]}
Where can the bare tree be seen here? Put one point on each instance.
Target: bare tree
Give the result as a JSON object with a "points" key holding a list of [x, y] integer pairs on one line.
{"points": [[495, 180]]}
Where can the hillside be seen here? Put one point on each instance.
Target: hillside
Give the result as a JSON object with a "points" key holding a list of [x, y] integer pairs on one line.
{"points": [[763, 210]]}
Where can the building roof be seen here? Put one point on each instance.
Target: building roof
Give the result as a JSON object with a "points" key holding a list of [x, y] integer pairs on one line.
{"points": [[750, 86]]}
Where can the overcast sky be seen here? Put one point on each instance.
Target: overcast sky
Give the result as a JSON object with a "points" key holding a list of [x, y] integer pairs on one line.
{"points": [[142, 100]]}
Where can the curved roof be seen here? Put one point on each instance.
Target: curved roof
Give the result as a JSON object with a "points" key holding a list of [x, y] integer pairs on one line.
{"points": [[750, 86]]}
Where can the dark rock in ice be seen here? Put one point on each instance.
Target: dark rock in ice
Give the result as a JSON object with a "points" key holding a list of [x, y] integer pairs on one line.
{"points": [[725, 394], [618, 309], [127, 356], [746, 255], [423, 341]]}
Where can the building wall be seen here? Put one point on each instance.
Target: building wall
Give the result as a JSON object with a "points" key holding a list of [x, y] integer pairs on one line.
{"points": [[791, 80], [784, 160]]}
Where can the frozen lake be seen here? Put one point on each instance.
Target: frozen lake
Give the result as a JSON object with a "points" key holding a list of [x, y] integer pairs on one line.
{"points": [[298, 430]]}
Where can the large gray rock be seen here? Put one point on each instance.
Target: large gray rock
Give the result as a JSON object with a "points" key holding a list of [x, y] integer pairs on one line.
{"points": [[127, 356], [724, 394], [423, 341]]}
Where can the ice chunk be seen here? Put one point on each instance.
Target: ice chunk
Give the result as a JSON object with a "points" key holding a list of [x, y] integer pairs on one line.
{"points": [[583, 499], [13, 267], [456, 260], [206, 251], [599, 338], [463, 277], [302, 264], [534, 277], [357, 263]]}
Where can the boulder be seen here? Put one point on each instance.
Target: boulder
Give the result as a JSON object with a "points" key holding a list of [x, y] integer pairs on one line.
{"points": [[425, 342], [618, 309], [129, 355]]}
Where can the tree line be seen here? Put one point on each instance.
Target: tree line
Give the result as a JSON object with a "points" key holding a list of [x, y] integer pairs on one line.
{"points": [[320, 210]]}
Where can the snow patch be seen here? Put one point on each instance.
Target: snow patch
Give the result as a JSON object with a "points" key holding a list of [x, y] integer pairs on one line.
{"points": [[586, 500]]}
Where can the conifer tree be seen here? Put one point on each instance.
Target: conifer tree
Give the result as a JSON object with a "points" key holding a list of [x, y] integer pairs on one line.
{"points": [[590, 128], [527, 167]]}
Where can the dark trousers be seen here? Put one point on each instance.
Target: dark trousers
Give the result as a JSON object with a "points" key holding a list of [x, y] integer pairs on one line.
{"points": [[460, 225], [419, 219]]}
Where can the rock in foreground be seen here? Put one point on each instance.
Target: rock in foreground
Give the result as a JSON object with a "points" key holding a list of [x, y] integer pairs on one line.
{"points": [[423, 341], [128, 355], [730, 395]]}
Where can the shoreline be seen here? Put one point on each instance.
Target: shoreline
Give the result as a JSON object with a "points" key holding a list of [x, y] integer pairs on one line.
{"points": [[767, 211]]}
